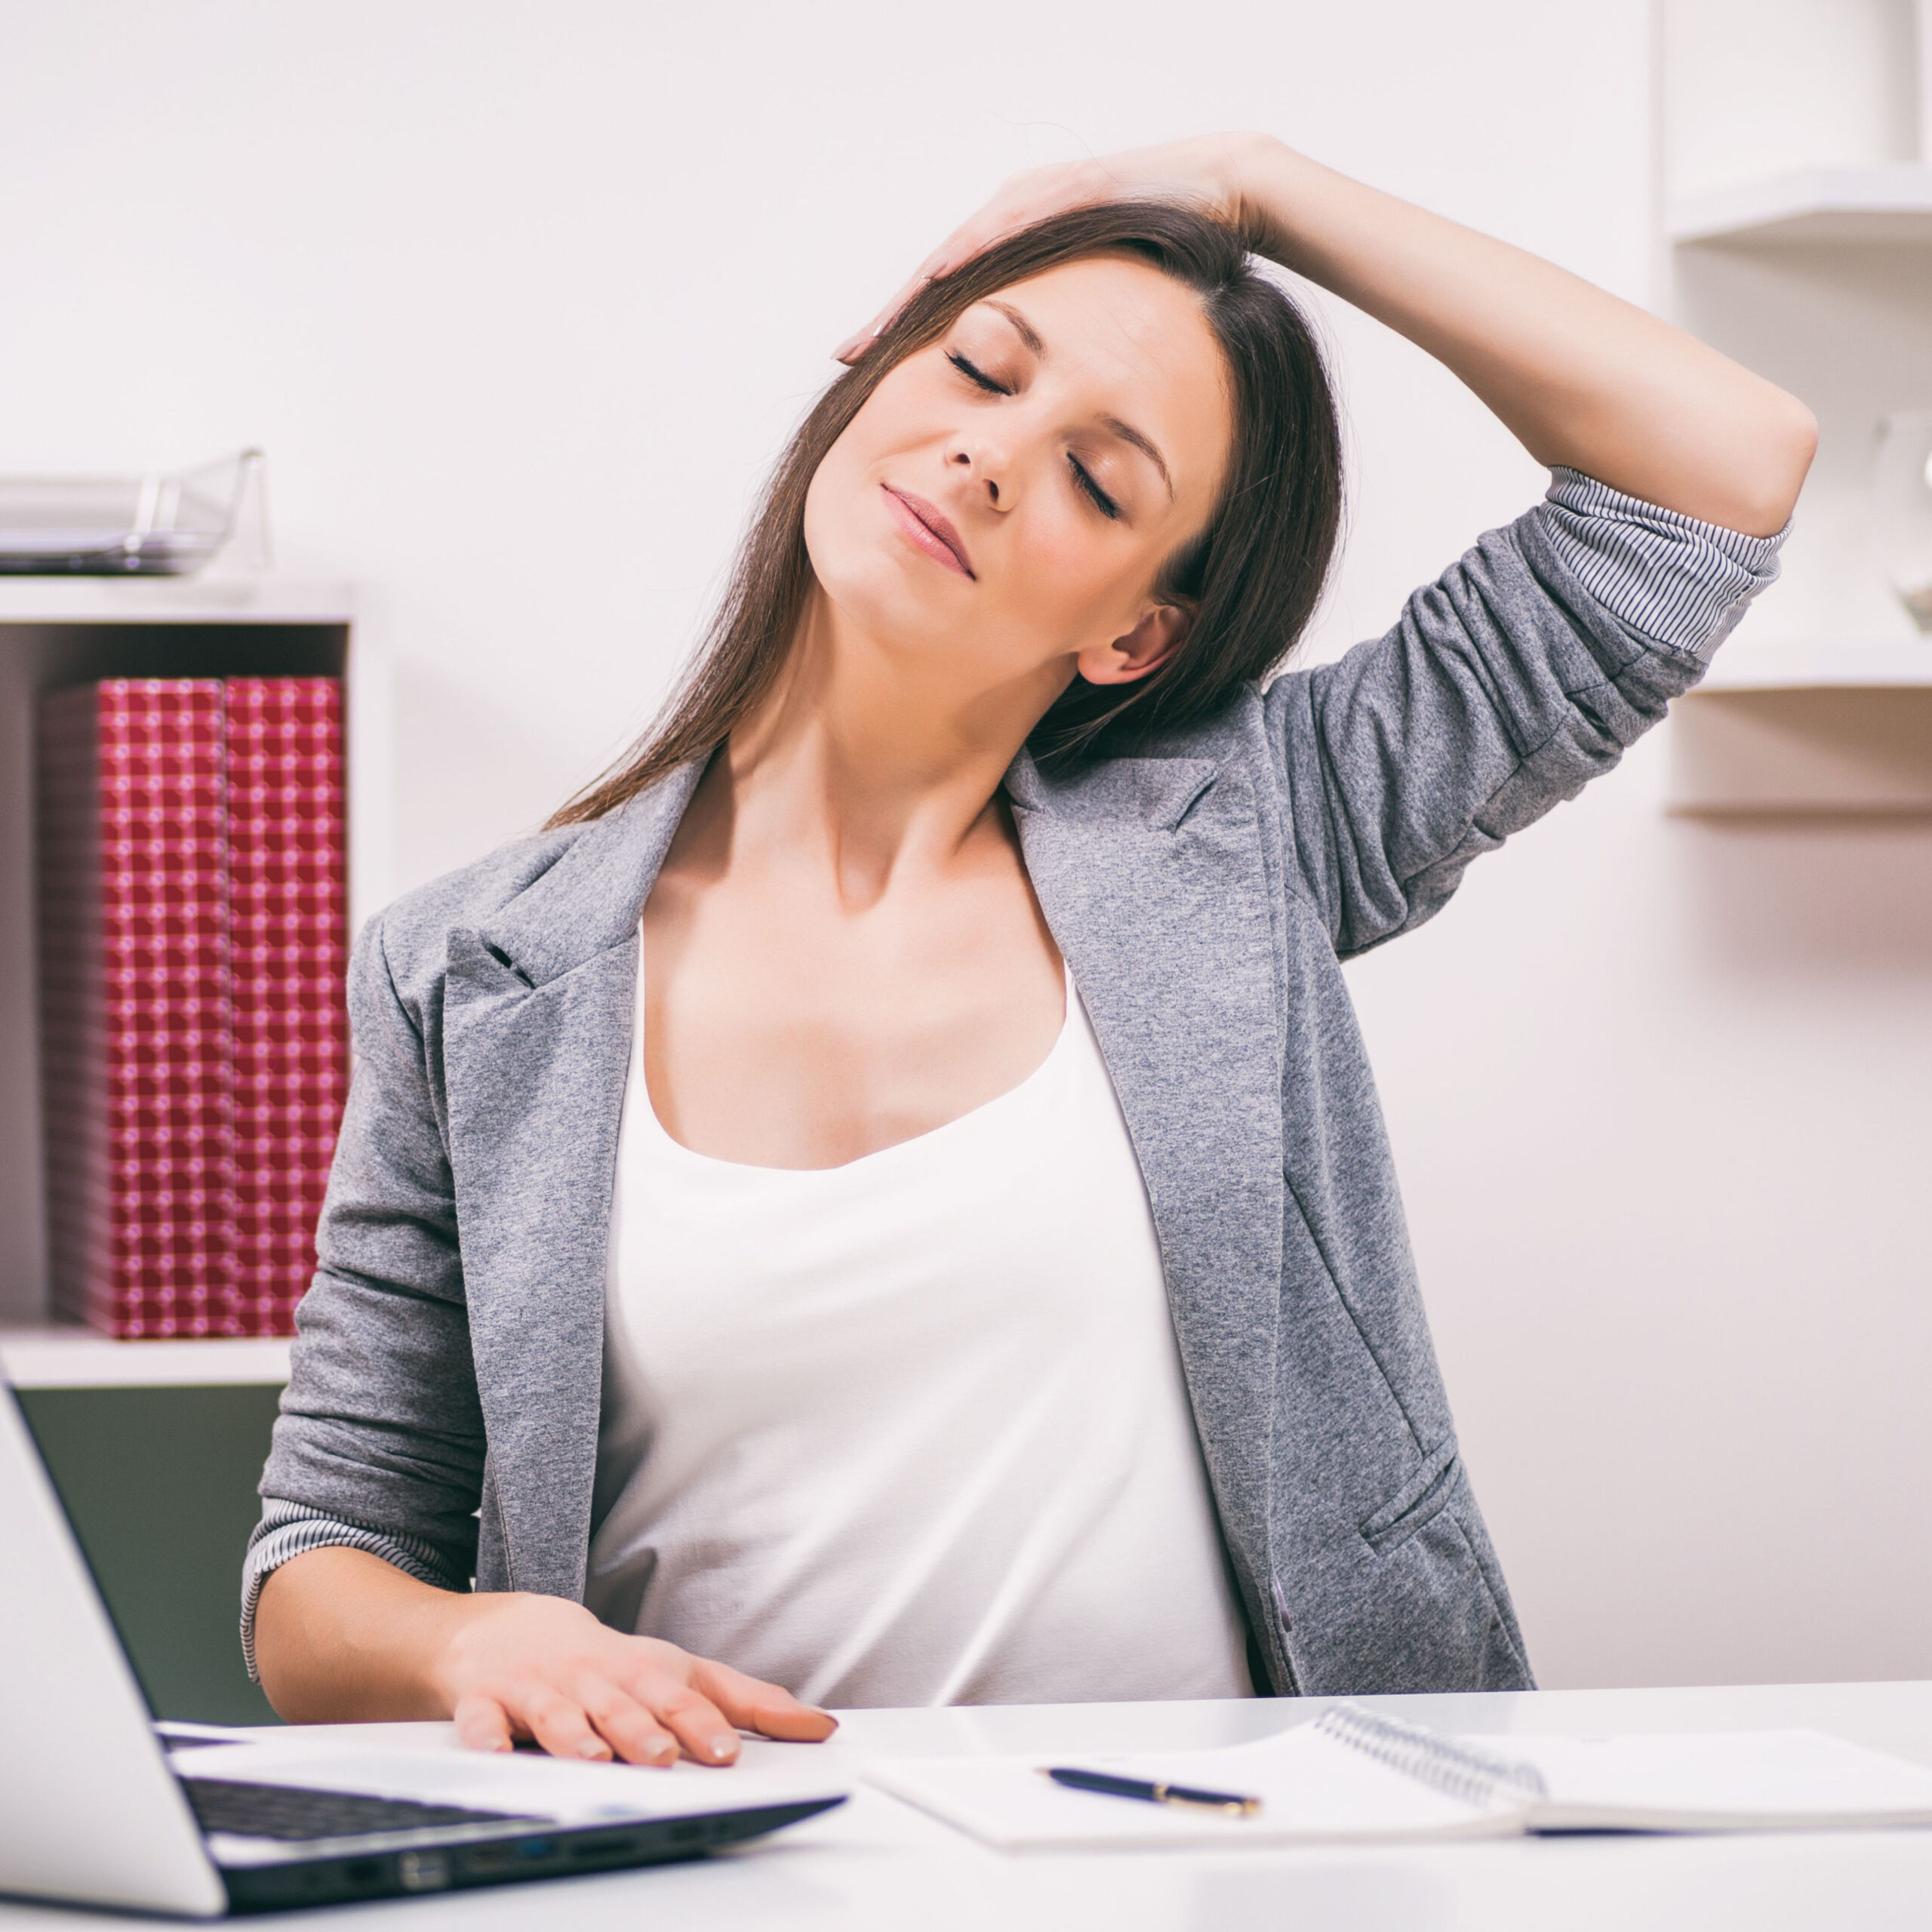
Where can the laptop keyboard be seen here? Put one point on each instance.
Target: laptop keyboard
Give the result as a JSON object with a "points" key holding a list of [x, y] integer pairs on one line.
{"points": [[284, 1811]]}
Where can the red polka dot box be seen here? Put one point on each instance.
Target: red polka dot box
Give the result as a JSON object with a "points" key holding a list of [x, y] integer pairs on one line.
{"points": [[195, 1045]]}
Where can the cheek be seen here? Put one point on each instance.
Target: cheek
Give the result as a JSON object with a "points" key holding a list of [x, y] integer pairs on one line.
{"points": [[831, 507], [1071, 574], [840, 522]]}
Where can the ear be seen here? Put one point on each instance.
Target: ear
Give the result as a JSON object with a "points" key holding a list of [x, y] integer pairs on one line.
{"points": [[1159, 634]]}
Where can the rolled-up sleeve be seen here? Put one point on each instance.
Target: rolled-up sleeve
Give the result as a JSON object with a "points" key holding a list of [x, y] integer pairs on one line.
{"points": [[1525, 670], [287, 1530], [1674, 581]]}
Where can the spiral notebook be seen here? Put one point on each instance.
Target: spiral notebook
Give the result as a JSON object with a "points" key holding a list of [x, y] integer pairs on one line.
{"points": [[1354, 1775]]}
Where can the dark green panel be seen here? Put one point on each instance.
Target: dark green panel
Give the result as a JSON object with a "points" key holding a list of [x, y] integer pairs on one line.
{"points": [[160, 1486]]}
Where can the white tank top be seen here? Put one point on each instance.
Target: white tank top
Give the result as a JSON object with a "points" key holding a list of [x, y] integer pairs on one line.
{"points": [[911, 1431]]}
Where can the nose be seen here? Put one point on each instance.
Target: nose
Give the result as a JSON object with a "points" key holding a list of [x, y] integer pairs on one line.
{"points": [[983, 465]]}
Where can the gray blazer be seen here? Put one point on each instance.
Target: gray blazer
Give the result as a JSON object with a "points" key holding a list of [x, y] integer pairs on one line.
{"points": [[444, 1406]]}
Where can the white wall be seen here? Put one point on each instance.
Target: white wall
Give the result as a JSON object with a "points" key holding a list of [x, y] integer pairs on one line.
{"points": [[521, 300]]}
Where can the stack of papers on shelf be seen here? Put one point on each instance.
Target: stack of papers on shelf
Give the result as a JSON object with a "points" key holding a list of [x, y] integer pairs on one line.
{"points": [[1352, 1776]]}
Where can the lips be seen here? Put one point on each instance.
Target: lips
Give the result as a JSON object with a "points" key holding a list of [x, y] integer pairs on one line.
{"points": [[928, 529]]}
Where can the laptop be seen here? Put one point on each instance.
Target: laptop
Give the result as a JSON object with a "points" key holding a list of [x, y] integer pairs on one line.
{"points": [[100, 1810]]}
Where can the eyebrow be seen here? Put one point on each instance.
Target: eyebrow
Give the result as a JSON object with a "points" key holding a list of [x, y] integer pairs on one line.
{"points": [[1022, 328], [1126, 432]]}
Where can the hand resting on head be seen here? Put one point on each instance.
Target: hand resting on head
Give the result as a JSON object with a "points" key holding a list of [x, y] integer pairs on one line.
{"points": [[1583, 379]]}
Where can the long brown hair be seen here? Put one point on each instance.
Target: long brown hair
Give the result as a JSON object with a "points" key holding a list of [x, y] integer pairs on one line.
{"points": [[1249, 581]]}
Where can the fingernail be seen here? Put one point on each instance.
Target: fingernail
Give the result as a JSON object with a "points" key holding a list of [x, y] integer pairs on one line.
{"points": [[591, 1748], [722, 1745]]}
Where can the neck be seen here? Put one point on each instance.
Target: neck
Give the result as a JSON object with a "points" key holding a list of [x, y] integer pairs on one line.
{"points": [[869, 760]]}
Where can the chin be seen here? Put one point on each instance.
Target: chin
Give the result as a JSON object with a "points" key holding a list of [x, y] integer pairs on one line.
{"points": [[878, 602], [876, 583]]}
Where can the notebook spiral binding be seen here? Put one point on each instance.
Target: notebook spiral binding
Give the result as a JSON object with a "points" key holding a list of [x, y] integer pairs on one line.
{"points": [[1459, 1770]]}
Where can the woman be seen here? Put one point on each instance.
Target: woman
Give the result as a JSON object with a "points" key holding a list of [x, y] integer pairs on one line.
{"points": [[884, 1197]]}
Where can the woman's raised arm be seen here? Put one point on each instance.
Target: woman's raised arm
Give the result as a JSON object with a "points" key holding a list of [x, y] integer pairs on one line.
{"points": [[1583, 379]]}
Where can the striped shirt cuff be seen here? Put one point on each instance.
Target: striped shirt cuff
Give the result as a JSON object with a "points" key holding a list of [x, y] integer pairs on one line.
{"points": [[1680, 584], [289, 1530]]}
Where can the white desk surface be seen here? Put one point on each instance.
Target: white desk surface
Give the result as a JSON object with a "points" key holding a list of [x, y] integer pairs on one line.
{"points": [[875, 1863]]}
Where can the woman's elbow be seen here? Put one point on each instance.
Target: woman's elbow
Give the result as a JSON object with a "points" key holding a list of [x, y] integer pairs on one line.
{"points": [[278, 1652], [1782, 448]]}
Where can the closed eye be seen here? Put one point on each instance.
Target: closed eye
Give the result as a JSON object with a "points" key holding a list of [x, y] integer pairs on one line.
{"points": [[1082, 478], [976, 375], [1083, 481]]}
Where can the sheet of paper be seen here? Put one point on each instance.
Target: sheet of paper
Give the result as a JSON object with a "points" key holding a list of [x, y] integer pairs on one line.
{"points": [[1693, 1781], [1312, 1790]]}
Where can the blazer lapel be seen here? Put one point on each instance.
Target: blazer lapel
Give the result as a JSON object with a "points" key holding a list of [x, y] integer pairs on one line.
{"points": [[1149, 871], [537, 1038]]}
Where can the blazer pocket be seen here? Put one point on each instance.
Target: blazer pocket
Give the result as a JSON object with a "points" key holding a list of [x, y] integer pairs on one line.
{"points": [[1422, 1497]]}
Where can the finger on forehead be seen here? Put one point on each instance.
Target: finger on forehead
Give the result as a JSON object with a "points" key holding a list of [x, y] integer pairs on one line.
{"points": [[1004, 216]]}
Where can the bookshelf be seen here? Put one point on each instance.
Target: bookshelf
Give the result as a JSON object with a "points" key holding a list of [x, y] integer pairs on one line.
{"points": [[1902, 664], [144, 600], [1814, 743], [155, 1446], [67, 1357], [1821, 278], [58, 631], [1885, 203]]}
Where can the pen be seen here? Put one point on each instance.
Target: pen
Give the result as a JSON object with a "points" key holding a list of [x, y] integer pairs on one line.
{"points": [[1230, 1805]]}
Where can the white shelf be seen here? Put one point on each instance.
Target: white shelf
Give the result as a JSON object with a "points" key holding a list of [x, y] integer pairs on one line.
{"points": [[1902, 663], [78, 1359], [1830, 728], [1886, 202], [207, 599]]}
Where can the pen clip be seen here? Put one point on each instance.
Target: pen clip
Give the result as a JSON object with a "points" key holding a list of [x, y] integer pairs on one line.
{"points": [[1224, 1803]]}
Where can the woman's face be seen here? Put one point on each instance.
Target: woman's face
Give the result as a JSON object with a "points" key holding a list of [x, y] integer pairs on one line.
{"points": [[1002, 506]]}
